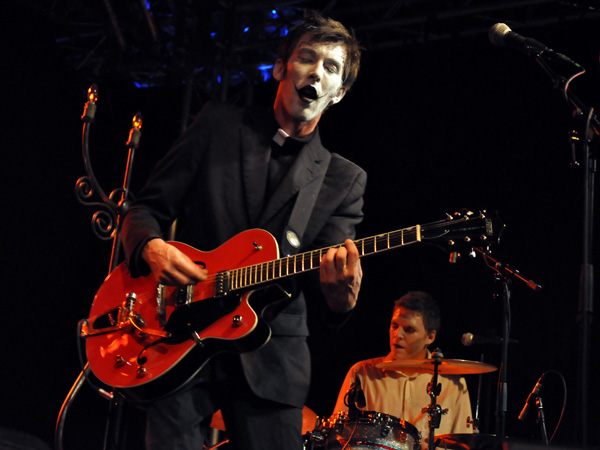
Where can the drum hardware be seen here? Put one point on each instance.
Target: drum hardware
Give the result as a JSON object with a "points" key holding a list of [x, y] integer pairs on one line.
{"points": [[434, 410], [360, 430], [314, 440], [437, 365], [466, 441]]}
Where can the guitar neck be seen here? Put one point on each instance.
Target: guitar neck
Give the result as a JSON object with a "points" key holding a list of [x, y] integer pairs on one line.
{"points": [[250, 276]]}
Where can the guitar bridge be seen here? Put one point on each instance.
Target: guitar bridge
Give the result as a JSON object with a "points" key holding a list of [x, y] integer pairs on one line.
{"points": [[222, 283]]}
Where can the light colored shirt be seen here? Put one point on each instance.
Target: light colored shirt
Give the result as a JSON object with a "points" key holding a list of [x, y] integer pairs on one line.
{"points": [[404, 394]]}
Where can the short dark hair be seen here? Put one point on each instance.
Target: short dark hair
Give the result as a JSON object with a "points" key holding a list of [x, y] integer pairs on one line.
{"points": [[423, 304], [325, 29]]}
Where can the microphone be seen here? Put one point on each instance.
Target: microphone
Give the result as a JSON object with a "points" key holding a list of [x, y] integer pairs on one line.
{"points": [[469, 339], [355, 397], [536, 391], [500, 34], [360, 400]]}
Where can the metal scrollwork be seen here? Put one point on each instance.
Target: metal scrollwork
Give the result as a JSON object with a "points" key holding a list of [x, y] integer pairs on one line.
{"points": [[105, 221], [104, 224]]}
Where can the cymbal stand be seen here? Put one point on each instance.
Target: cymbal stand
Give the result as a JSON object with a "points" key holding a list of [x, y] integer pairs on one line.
{"points": [[105, 225], [475, 422], [504, 274], [434, 410]]}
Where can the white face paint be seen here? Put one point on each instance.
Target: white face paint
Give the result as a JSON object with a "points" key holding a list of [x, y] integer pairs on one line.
{"points": [[309, 82]]}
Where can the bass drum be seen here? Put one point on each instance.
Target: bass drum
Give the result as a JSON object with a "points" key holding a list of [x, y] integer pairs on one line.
{"points": [[369, 430]]}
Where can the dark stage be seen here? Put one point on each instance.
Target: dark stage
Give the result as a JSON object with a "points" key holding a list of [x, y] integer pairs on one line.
{"points": [[438, 124]]}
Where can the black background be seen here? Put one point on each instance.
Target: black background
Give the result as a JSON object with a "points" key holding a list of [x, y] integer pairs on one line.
{"points": [[438, 127]]}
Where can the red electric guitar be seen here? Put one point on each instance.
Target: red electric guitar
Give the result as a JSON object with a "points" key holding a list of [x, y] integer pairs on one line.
{"points": [[148, 340]]}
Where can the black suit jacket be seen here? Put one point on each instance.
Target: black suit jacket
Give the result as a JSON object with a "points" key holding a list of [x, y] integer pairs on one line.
{"points": [[214, 181]]}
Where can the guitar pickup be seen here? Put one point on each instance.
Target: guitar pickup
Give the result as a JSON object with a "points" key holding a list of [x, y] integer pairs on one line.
{"points": [[185, 296]]}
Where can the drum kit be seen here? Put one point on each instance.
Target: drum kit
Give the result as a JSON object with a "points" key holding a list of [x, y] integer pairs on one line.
{"points": [[361, 430], [357, 429]]}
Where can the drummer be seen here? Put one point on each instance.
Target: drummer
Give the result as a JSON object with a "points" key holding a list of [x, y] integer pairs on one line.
{"points": [[403, 393]]}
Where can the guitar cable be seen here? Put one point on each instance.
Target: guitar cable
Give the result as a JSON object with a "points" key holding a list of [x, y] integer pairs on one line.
{"points": [[83, 377]]}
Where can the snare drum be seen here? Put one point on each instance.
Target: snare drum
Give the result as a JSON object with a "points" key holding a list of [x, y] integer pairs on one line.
{"points": [[370, 430]]}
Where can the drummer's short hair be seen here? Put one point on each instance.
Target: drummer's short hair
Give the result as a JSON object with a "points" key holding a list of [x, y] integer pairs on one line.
{"points": [[422, 303]]}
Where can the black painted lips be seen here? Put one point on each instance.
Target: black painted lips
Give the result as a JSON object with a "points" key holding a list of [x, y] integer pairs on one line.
{"points": [[308, 93]]}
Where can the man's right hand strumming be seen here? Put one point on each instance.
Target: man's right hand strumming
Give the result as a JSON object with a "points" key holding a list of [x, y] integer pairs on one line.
{"points": [[170, 266]]}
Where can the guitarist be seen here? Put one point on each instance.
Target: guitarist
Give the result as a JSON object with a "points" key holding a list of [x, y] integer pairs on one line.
{"points": [[240, 168]]}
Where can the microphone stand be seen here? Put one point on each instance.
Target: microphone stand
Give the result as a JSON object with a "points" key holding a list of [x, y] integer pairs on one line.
{"points": [[503, 276], [586, 286], [541, 420], [105, 225]]}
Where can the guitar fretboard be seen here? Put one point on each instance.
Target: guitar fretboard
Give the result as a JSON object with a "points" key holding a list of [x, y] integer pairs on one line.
{"points": [[249, 276]]}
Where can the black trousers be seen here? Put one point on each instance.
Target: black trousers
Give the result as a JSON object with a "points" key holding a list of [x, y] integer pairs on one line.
{"points": [[181, 421]]}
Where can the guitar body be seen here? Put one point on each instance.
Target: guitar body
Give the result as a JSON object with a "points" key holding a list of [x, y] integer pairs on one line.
{"points": [[146, 357], [148, 342]]}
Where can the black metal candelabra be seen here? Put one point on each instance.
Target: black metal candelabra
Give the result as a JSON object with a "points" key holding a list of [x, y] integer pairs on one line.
{"points": [[105, 225]]}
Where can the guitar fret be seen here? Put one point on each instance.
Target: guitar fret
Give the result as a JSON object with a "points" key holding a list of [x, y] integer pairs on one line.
{"points": [[290, 265]]}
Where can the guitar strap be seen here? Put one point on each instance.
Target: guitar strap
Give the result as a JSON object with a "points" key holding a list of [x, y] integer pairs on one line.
{"points": [[305, 202]]}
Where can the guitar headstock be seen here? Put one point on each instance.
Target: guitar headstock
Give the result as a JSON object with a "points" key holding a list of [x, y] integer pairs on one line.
{"points": [[463, 231]]}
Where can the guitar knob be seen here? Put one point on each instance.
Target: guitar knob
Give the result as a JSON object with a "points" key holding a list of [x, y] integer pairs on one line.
{"points": [[119, 361], [237, 321], [141, 372]]}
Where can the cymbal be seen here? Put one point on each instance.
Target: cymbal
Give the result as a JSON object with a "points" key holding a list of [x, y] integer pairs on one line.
{"points": [[467, 441], [309, 420], [446, 366]]}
